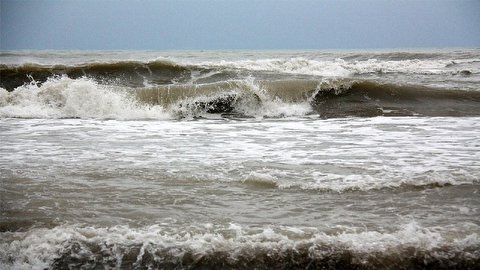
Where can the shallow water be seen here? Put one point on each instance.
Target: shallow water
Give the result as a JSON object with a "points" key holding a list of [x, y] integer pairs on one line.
{"points": [[296, 179]]}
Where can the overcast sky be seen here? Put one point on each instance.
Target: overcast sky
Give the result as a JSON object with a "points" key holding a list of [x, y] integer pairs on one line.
{"points": [[238, 24]]}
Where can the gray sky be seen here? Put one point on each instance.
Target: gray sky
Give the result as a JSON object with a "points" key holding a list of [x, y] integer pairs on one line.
{"points": [[238, 24]]}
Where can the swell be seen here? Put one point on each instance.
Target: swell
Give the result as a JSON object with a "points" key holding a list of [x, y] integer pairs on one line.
{"points": [[162, 72], [127, 73]]}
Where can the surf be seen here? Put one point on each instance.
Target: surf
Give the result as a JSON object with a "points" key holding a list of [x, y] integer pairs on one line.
{"points": [[239, 247], [63, 97]]}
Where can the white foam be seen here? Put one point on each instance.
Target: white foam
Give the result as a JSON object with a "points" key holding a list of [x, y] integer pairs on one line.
{"points": [[250, 99], [63, 97], [38, 248], [341, 183], [414, 66], [270, 106], [261, 180], [297, 65], [339, 67]]}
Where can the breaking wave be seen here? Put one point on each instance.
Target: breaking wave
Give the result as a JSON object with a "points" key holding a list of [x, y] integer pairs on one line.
{"points": [[63, 97], [344, 68], [327, 181], [238, 247]]}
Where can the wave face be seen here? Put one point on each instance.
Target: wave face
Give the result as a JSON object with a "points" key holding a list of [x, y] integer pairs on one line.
{"points": [[130, 73], [368, 98]]}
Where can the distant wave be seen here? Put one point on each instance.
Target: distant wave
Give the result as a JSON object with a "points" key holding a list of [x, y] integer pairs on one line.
{"points": [[164, 72], [128, 73], [341, 67]]}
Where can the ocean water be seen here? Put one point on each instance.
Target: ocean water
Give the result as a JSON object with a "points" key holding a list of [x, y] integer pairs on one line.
{"points": [[240, 159]]}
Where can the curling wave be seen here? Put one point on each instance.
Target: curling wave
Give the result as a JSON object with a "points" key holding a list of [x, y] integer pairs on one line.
{"points": [[328, 98], [63, 97]]}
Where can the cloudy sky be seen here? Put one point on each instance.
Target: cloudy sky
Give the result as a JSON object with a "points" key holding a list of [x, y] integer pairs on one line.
{"points": [[238, 24]]}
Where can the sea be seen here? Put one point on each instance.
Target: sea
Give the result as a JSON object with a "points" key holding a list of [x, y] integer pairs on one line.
{"points": [[240, 159]]}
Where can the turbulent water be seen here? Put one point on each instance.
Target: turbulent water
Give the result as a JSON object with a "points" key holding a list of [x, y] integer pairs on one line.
{"points": [[240, 159]]}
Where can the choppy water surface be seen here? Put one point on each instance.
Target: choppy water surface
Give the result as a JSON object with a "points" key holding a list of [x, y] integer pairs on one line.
{"points": [[242, 160]]}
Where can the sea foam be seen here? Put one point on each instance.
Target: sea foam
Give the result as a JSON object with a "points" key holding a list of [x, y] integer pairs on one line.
{"points": [[234, 245], [62, 97]]}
